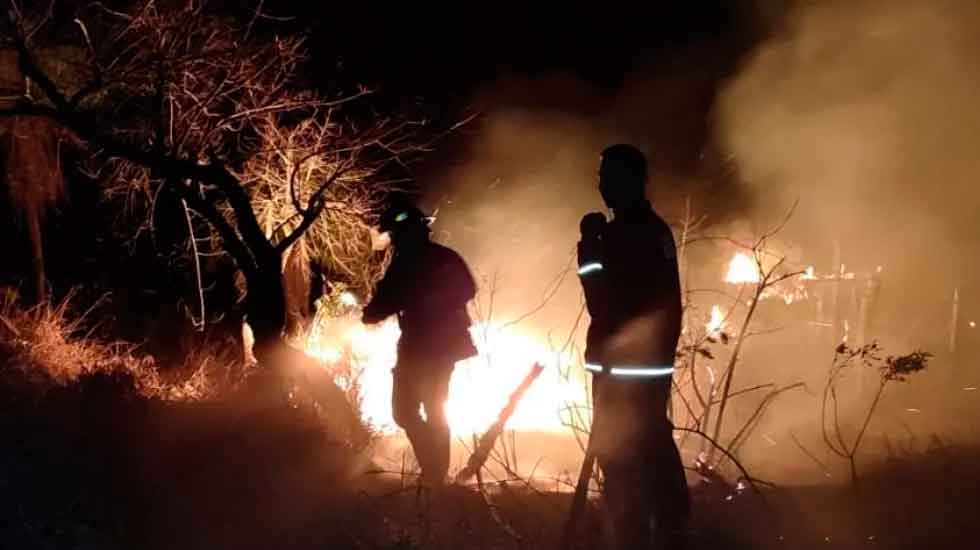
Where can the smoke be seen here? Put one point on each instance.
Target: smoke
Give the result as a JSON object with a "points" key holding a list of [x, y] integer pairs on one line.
{"points": [[865, 112], [860, 112], [511, 201], [513, 208]]}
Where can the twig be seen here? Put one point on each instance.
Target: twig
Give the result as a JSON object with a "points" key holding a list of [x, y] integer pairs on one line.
{"points": [[197, 268], [810, 455], [745, 474]]}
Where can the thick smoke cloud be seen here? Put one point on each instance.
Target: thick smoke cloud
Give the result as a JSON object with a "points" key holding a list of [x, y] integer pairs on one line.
{"points": [[511, 201], [862, 111], [865, 111]]}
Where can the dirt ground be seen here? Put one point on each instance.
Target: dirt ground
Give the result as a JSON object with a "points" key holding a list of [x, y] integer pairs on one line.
{"points": [[93, 465]]}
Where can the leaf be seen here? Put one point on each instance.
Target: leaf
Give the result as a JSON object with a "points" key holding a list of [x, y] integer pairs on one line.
{"points": [[899, 368]]}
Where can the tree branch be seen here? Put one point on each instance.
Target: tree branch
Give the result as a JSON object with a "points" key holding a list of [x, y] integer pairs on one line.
{"points": [[314, 208], [243, 256]]}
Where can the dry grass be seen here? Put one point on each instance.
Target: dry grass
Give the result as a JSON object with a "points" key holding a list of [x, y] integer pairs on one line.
{"points": [[52, 345], [200, 474], [46, 342]]}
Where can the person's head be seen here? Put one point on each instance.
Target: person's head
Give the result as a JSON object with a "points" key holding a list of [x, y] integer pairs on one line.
{"points": [[406, 224], [622, 176]]}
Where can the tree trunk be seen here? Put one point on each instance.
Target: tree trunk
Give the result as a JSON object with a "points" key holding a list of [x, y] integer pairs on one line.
{"points": [[40, 286], [265, 306]]}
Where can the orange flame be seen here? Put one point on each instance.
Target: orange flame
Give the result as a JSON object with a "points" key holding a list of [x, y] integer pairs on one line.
{"points": [[717, 320], [742, 269], [479, 387]]}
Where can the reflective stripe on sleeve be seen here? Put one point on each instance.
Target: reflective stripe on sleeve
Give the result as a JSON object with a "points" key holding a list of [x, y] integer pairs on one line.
{"points": [[593, 367], [591, 267], [639, 372], [642, 371]]}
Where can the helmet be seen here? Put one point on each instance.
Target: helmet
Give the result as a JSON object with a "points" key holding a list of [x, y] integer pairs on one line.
{"points": [[401, 218]]}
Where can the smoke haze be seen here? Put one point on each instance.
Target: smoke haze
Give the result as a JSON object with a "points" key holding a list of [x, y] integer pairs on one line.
{"points": [[511, 201], [866, 113], [863, 112]]}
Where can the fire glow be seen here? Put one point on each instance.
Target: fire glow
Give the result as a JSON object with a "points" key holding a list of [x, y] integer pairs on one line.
{"points": [[716, 322], [742, 269], [479, 387]]}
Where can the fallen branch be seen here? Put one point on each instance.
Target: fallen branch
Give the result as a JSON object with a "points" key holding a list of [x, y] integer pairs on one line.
{"points": [[489, 439]]}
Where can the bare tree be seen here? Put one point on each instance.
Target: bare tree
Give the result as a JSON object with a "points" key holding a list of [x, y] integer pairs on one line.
{"points": [[890, 369], [699, 392], [767, 279], [179, 100]]}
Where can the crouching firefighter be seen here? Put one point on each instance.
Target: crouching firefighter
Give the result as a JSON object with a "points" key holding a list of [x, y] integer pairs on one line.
{"points": [[628, 270], [427, 286]]}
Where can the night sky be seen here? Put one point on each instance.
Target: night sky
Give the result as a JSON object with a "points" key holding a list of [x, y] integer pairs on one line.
{"points": [[440, 61], [428, 50]]}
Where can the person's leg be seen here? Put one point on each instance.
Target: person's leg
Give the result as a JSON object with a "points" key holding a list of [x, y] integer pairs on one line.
{"points": [[616, 438], [405, 401], [628, 507], [670, 496], [434, 401]]}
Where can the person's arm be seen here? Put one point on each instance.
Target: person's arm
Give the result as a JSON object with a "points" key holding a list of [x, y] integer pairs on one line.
{"points": [[466, 289], [591, 260], [385, 301]]}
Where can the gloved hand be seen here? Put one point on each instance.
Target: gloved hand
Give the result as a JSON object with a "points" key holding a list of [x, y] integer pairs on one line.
{"points": [[590, 253], [592, 225]]}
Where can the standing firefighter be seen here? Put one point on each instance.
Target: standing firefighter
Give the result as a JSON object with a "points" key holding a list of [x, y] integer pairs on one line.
{"points": [[427, 286], [628, 269]]}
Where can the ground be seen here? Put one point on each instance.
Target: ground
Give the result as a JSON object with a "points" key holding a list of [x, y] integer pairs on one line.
{"points": [[96, 465]]}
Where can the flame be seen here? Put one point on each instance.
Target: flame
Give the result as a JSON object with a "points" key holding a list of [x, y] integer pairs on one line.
{"points": [[348, 299], [479, 387], [742, 269], [717, 321]]}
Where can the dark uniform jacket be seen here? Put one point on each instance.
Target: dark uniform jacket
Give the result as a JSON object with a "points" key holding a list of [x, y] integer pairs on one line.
{"points": [[635, 298], [428, 289]]}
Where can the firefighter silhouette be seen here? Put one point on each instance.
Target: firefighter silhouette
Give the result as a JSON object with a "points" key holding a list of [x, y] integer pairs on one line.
{"points": [[628, 269], [427, 286]]}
